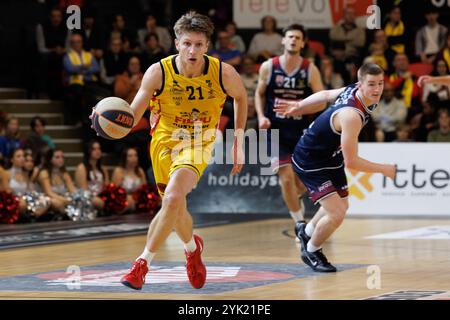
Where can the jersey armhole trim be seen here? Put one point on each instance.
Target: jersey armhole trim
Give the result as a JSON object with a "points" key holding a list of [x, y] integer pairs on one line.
{"points": [[157, 93], [337, 111], [269, 78]]}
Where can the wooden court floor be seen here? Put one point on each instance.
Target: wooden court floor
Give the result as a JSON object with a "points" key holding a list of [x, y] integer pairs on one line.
{"points": [[403, 264]]}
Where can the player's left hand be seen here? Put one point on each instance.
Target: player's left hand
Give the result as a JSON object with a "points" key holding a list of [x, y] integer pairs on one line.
{"points": [[238, 156], [423, 79]]}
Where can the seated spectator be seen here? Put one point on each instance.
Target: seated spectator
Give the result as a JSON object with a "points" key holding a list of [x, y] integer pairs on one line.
{"points": [[90, 175], [404, 133], [267, 43], [51, 39], [249, 77], [404, 82], [330, 78], [430, 39], [348, 33], [225, 53], [441, 91], [11, 140], [114, 62], [93, 36], [55, 181], [236, 41], [390, 113], [151, 26], [80, 69], [128, 36], [444, 54], [37, 139], [127, 84], [442, 133], [129, 175], [19, 183], [380, 53], [395, 30], [152, 52], [424, 121], [340, 64]]}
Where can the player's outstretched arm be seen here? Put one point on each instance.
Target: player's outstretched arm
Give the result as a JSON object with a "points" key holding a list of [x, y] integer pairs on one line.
{"points": [[436, 80], [312, 104], [234, 87], [350, 124], [151, 83]]}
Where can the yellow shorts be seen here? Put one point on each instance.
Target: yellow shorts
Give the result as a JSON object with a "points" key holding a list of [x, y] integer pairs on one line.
{"points": [[166, 158]]}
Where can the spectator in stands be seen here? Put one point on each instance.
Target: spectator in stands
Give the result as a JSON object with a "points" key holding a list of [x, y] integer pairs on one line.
{"points": [[128, 36], [225, 52], [129, 175], [55, 181], [152, 52], [249, 77], [3, 182], [236, 41], [444, 54], [127, 84], [81, 70], [330, 78], [90, 175], [267, 43], [19, 183], [93, 36], [442, 91], [390, 113], [38, 139], [51, 39], [340, 64], [11, 140], [430, 38], [404, 82], [151, 26], [347, 32], [404, 133], [424, 121], [395, 30], [380, 52], [114, 62], [442, 133]]}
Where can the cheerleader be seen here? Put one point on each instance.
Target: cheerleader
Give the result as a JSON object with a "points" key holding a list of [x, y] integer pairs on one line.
{"points": [[90, 175], [129, 175], [55, 181], [19, 183]]}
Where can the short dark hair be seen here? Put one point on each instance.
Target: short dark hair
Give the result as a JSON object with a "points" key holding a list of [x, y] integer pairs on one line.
{"points": [[35, 120], [151, 34], [295, 26], [369, 68], [267, 17]]}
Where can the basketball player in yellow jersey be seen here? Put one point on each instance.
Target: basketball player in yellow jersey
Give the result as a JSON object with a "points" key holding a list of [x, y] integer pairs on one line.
{"points": [[187, 92]]}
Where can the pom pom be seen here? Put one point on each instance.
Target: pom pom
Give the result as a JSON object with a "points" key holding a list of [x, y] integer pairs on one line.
{"points": [[115, 199], [147, 199], [9, 208]]}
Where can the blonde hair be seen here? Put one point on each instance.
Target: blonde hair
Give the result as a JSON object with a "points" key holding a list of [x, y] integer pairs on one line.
{"points": [[194, 22]]}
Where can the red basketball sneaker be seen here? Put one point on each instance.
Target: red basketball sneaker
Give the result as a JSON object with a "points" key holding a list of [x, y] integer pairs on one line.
{"points": [[136, 277], [195, 268]]}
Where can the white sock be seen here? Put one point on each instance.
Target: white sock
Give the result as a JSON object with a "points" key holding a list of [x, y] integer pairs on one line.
{"points": [[309, 229], [312, 248], [298, 215], [190, 246], [147, 255]]}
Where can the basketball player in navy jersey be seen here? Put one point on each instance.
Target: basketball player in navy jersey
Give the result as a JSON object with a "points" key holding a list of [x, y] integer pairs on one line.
{"points": [[329, 144], [289, 76]]}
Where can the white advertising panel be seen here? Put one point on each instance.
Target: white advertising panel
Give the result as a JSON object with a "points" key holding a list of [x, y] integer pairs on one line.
{"points": [[422, 185]]}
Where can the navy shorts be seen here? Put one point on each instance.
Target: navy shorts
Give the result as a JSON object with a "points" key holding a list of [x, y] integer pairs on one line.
{"points": [[323, 182]]}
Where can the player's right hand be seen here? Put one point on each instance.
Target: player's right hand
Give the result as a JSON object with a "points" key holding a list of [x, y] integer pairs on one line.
{"points": [[390, 171], [264, 123], [286, 108], [423, 79]]}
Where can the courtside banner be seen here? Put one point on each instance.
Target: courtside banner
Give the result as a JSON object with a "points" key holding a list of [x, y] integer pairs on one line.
{"points": [[313, 14], [422, 185]]}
